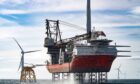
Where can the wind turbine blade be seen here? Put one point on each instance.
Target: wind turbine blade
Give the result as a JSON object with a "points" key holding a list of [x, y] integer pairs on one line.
{"points": [[18, 44], [20, 65], [32, 51]]}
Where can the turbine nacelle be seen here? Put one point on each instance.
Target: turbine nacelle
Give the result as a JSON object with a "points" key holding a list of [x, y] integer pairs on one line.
{"points": [[21, 65]]}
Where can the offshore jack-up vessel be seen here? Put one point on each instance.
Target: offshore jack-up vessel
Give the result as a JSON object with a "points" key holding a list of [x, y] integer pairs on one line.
{"points": [[69, 56]]}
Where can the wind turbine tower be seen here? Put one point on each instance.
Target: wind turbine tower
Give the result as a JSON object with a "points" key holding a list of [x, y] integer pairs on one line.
{"points": [[27, 73]]}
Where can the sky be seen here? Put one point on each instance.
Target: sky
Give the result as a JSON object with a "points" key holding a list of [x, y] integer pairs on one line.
{"points": [[25, 21]]}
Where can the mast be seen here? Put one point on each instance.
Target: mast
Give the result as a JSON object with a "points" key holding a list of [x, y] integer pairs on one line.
{"points": [[88, 17]]}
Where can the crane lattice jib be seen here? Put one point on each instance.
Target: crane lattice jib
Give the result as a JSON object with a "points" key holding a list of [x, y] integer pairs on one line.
{"points": [[53, 32]]}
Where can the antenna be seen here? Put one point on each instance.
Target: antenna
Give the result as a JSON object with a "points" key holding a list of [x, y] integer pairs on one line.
{"points": [[21, 65], [88, 17]]}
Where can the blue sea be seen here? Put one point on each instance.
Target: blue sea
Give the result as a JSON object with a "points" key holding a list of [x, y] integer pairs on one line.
{"points": [[121, 81]]}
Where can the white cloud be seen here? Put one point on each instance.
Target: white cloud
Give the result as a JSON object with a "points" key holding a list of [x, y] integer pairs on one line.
{"points": [[68, 5], [114, 4], [105, 20], [8, 11], [6, 22], [71, 5], [13, 2], [136, 10]]}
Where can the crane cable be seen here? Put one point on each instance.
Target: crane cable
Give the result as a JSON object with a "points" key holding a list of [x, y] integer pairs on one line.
{"points": [[72, 25]]}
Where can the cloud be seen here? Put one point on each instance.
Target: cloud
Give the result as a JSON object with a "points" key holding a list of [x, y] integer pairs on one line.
{"points": [[35, 6], [12, 2], [71, 5], [80, 5], [8, 11], [6, 22], [136, 10]]}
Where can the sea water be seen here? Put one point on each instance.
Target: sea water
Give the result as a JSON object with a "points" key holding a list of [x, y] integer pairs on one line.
{"points": [[121, 81]]}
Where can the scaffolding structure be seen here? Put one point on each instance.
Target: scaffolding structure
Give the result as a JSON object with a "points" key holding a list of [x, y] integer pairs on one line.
{"points": [[27, 75]]}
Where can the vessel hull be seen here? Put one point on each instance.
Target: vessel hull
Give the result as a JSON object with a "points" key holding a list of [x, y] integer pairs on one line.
{"points": [[83, 64]]}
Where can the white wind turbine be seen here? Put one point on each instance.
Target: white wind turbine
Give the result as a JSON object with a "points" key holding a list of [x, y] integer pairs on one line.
{"points": [[21, 65], [119, 71]]}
